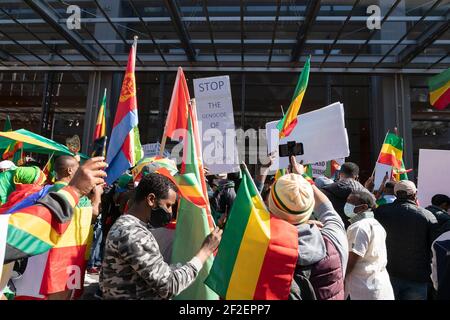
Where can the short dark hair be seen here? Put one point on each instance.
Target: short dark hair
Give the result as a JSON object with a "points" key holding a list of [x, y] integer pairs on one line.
{"points": [[350, 169], [365, 197], [62, 163], [154, 183], [440, 199], [389, 185]]}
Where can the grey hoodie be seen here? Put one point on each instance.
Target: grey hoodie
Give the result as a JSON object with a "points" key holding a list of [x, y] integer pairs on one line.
{"points": [[311, 246]]}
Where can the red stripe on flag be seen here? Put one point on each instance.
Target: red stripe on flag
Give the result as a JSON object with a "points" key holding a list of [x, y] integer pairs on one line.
{"points": [[126, 149], [43, 213], [287, 131], [390, 160], [443, 101], [63, 266], [279, 263]]}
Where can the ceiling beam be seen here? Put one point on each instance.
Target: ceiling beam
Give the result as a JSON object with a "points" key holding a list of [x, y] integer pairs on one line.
{"points": [[427, 38], [71, 36], [175, 15], [115, 28], [374, 31], [289, 69], [312, 9], [149, 32], [408, 32], [292, 19]]}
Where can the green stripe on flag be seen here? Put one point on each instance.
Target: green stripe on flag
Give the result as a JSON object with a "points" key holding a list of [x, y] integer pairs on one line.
{"points": [[302, 84], [26, 242], [394, 141], [192, 228], [436, 82], [222, 269]]}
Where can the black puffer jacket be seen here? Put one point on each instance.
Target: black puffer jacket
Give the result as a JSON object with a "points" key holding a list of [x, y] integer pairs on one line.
{"points": [[410, 232], [442, 217], [338, 193]]}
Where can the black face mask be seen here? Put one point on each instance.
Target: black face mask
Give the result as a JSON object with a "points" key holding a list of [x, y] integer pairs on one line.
{"points": [[160, 217]]}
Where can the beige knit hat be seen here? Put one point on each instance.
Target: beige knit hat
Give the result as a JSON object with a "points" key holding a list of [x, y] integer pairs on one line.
{"points": [[292, 199]]}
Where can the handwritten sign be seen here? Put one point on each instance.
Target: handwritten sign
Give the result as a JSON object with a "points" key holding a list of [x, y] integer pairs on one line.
{"points": [[216, 120]]}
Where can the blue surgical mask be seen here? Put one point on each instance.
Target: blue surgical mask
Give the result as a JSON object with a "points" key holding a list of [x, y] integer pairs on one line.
{"points": [[349, 210]]}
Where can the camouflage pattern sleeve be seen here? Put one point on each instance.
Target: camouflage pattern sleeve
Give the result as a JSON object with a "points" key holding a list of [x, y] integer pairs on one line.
{"points": [[140, 250]]}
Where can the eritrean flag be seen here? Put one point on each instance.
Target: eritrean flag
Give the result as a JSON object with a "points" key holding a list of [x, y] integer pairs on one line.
{"points": [[124, 146], [100, 126], [440, 90], [287, 124], [392, 151], [258, 251]]}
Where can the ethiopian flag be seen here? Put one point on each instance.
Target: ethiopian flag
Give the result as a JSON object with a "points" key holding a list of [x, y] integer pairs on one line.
{"points": [[392, 151], [287, 124], [440, 90], [100, 126], [258, 252]]}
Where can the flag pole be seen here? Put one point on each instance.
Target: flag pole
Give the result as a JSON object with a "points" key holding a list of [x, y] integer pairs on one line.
{"points": [[282, 111], [164, 137]]}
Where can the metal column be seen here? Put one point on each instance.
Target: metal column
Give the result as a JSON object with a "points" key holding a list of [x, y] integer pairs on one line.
{"points": [[242, 100], [46, 114], [90, 116], [161, 112], [391, 107]]}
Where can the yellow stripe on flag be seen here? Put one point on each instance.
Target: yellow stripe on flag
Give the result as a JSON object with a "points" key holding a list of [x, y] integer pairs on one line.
{"points": [[436, 94], [26, 139], [293, 109], [191, 191], [78, 231], [249, 261], [35, 226], [389, 149]]}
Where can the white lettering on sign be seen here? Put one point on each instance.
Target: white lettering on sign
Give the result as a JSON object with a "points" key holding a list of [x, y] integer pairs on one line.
{"points": [[216, 118]]}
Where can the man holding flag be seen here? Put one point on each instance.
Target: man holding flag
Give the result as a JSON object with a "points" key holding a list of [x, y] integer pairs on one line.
{"points": [[133, 266]]}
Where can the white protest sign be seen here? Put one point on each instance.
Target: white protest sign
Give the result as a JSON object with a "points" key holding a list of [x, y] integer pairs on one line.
{"points": [[434, 175], [152, 150], [322, 133], [319, 169], [216, 120], [380, 172]]}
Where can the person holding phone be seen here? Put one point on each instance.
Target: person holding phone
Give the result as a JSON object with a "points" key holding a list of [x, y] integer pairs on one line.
{"points": [[133, 267]]}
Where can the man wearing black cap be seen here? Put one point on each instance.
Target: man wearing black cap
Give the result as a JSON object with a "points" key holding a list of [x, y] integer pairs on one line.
{"points": [[440, 204]]}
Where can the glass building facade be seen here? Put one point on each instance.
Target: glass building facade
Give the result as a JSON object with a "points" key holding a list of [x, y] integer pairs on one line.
{"points": [[53, 72]]}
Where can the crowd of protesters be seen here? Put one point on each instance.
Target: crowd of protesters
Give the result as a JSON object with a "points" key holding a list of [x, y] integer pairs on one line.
{"points": [[354, 242]]}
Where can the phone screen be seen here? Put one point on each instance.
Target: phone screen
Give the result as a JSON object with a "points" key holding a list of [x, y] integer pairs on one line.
{"points": [[100, 147]]}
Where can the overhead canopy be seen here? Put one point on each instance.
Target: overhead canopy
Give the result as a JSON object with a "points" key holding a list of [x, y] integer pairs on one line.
{"points": [[33, 142]]}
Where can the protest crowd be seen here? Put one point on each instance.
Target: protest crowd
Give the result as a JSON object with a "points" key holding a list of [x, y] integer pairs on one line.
{"points": [[154, 229]]}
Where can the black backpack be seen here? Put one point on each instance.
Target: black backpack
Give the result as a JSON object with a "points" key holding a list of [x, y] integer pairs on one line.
{"points": [[301, 287]]}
